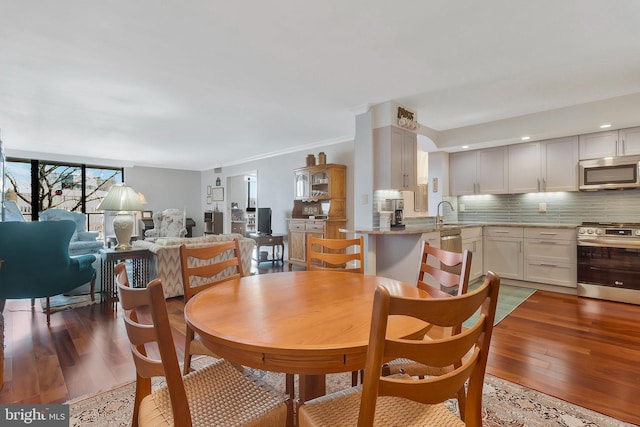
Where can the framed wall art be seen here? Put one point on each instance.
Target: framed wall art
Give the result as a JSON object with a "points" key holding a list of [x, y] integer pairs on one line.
{"points": [[217, 194]]}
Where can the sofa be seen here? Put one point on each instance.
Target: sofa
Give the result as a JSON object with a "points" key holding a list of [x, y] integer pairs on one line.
{"points": [[166, 262]]}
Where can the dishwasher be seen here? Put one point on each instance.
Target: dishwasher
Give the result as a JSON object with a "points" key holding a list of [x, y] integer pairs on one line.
{"points": [[451, 240]]}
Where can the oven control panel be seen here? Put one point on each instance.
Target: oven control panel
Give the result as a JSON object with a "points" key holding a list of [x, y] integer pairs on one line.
{"points": [[609, 231]]}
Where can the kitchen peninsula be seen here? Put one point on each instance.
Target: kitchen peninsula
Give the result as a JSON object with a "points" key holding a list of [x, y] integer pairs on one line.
{"points": [[537, 255]]}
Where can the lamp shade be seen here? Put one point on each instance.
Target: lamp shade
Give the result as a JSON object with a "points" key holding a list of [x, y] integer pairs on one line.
{"points": [[120, 198]]}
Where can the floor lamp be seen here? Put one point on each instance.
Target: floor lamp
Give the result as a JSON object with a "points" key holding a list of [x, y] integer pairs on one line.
{"points": [[122, 199]]}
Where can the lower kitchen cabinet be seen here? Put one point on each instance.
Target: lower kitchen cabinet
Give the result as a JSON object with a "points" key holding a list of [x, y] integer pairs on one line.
{"points": [[503, 252], [472, 241], [550, 256]]}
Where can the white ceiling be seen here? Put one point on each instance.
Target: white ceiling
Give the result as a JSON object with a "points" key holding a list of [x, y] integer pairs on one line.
{"points": [[202, 83]]}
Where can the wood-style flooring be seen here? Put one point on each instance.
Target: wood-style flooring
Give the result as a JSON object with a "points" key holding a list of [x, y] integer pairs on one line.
{"points": [[580, 350]]}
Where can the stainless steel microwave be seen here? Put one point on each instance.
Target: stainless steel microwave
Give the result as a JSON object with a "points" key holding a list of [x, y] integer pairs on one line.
{"points": [[610, 173]]}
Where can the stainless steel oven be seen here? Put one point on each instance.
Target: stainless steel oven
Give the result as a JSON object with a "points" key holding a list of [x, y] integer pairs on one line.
{"points": [[609, 261]]}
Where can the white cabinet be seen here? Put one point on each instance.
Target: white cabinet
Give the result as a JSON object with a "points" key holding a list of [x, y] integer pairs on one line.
{"points": [[623, 142], [479, 172], [550, 256], [503, 252], [395, 158], [472, 241], [550, 165], [629, 141], [462, 173]]}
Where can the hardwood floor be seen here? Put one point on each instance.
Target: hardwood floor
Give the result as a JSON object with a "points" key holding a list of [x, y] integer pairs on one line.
{"points": [[580, 350]]}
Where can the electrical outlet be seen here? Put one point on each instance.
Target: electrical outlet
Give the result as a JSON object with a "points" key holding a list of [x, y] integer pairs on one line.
{"points": [[461, 207], [542, 207]]}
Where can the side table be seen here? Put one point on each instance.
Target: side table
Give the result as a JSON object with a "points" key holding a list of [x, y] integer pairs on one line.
{"points": [[273, 240], [141, 272]]}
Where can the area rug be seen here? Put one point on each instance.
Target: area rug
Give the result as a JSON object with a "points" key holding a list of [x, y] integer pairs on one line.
{"points": [[62, 302], [505, 404], [509, 298]]}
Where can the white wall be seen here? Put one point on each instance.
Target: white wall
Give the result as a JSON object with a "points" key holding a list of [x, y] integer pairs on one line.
{"points": [[275, 182], [169, 188]]}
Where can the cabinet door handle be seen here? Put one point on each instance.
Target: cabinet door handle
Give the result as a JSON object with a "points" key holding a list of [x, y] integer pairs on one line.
{"points": [[544, 184], [538, 184], [624, 151]]}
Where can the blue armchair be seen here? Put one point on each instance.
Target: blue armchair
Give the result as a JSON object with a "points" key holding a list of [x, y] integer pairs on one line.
{"points": [[36, 262], [82, 241]]}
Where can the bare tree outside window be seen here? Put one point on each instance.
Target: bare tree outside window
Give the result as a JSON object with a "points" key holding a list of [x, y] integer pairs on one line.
{"points": [[60, 186]]}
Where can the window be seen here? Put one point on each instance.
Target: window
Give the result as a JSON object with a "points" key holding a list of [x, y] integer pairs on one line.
{"points": [[78, 188], [18, 181]]}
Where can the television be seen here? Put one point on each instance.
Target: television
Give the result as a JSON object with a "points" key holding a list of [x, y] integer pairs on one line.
{"points": [[264, 221]]}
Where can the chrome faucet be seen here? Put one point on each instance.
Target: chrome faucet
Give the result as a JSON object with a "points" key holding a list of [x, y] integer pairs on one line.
{"points": [[438, 216]]}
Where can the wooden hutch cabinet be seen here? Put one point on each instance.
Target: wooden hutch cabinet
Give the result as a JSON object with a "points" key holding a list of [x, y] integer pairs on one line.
{"points": [[319, 207]]}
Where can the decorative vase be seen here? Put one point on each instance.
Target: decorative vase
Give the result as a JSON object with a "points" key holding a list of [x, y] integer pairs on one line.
{"points": [[322, 158], [311, 160]]}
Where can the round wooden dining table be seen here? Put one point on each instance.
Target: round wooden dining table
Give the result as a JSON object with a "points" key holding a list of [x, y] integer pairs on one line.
{"points": [[309, 323]]}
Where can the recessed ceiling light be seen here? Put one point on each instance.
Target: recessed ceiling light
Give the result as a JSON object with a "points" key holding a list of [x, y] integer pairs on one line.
{"points": [[606, 125], [465, 146], [525, 138]]}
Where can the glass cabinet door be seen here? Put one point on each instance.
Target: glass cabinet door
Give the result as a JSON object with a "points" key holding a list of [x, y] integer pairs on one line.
{"points": [[301, 190], [320, 185]]}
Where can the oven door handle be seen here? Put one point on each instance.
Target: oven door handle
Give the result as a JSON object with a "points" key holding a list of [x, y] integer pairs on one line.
{"points": [[609, 243]]}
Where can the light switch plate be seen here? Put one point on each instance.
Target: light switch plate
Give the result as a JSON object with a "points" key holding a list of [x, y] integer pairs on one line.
{"points": [[542, 207]]}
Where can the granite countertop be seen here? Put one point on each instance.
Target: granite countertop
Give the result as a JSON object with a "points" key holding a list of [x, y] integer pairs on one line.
{"points": [[427, 228]]}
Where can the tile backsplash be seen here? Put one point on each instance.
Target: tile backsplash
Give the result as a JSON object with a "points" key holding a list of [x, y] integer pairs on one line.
{"points": [[561, 208]]}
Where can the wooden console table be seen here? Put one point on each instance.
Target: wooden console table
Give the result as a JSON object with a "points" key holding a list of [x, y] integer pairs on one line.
{"points": [[272, 240]]}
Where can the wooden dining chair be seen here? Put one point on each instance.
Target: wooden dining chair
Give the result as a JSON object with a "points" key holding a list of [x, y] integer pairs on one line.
{"points": [[332, 254], [217, 394], [442, 273], [199, 267], [405, 400], [444, 270]]}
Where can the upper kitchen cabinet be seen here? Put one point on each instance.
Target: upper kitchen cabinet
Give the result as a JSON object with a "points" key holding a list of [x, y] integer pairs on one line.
{"points": [[623, 142], [394, 158], [629, 141], [549, 165], [479, 172]]}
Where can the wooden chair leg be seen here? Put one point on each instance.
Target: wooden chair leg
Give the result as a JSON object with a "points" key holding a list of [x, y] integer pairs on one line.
{"points": [[354, 378], [290, 385], [462, 402], [48, 312], [187, 350], [93, 287], [33, 303]]}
